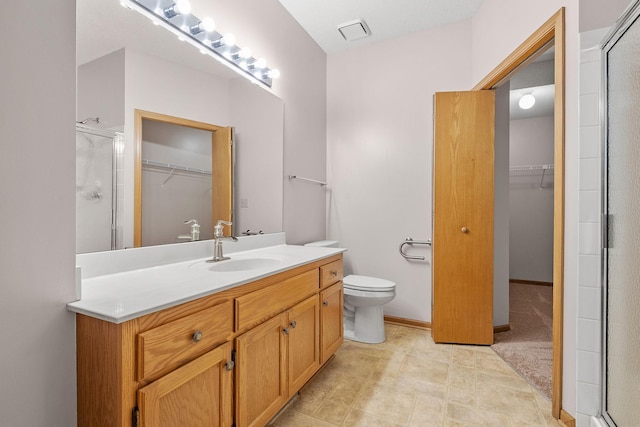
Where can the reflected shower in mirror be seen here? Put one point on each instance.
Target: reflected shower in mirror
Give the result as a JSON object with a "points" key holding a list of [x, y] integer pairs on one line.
{"points": [[126, 64]]}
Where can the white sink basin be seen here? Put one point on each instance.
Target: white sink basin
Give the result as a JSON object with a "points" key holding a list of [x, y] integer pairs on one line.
{"points": [[244, 264]]}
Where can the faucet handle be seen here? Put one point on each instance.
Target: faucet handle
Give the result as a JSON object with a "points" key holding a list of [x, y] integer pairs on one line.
{"points": [[191, 221], [217, 229]]}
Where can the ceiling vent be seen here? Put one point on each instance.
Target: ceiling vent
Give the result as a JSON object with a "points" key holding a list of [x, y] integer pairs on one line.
{"points": [[354, 30]]}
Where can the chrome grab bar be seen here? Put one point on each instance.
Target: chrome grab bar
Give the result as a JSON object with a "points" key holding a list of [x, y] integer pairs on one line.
{"points": [[410, 241]]}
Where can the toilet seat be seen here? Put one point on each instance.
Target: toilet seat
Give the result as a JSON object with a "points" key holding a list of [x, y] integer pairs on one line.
{"points": [[367, 284]]}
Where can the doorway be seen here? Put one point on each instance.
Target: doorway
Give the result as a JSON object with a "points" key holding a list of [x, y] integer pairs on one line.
{"points": [[551, 33], [524, 188]]}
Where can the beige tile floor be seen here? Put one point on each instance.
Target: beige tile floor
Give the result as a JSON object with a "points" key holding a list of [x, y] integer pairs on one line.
{"points": [[411, 381]]}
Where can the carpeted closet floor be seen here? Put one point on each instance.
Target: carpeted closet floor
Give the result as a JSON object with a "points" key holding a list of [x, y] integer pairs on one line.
{"points": [[527, 346]]}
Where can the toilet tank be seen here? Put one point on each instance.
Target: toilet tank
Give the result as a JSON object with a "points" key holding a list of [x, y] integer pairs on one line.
{"points": [[324, 243]]}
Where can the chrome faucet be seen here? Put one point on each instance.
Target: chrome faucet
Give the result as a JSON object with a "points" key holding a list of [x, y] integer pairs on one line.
{"points": [[218, 237], [195, 231]]}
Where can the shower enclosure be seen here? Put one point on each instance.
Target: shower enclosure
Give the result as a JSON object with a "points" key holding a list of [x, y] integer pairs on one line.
{"points": [[97, 160], [621, 236]]}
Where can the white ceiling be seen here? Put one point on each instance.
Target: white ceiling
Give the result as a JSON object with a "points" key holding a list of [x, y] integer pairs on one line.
{"points": [[386, 18]]}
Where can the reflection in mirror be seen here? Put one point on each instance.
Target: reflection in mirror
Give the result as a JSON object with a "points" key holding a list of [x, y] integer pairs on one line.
{"points": [[182, 179], [125, 64]]}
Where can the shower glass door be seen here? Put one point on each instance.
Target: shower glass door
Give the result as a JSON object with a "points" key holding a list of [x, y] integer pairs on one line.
{"points": [[95, 189], [621, 385]]}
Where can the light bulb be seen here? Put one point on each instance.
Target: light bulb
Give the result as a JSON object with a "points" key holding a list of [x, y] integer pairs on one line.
{"points": [[274, 74], [260, 63], [527, 101], [183, 7], [208, 25], [244, 65], [179, 7], [245, 53], [229, 39]]}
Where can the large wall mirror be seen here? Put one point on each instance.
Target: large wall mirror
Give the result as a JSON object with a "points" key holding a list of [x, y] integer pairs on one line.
{"points": [[128, 68]]}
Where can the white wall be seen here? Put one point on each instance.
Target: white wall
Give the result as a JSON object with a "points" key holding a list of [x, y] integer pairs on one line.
{"points": [[380, 145], [100, 87], [258, 137], [37, 214], [531, 207]]}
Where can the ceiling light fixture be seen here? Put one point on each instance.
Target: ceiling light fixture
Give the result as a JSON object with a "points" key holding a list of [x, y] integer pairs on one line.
{"points": [[175, 16], [527, 101]]}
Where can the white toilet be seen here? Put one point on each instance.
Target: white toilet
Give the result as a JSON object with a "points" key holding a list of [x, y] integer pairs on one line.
{"points": [[363, 300]]}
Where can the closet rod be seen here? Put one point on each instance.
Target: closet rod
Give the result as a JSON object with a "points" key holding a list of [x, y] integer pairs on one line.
{"points": [[173, 167], [308, 180]]}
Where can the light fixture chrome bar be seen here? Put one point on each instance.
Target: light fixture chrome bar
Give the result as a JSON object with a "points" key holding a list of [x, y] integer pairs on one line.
{"points": [[188, 27]]}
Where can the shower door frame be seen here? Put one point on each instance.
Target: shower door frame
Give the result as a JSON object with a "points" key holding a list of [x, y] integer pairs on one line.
{"points": [[115, 138], [627, 19]]}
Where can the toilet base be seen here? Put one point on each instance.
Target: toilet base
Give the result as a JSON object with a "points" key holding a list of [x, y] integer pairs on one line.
{"points": [[367, 326]]}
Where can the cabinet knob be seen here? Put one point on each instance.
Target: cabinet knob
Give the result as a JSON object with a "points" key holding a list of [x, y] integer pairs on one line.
{"points": [[293, 324], [334, 273], [325, 303], [197, 336], [229, 365], [464, 230], [286, 331]]}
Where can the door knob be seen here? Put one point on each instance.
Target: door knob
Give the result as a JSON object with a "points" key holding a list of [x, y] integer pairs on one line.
{"points": [[464, 230]]}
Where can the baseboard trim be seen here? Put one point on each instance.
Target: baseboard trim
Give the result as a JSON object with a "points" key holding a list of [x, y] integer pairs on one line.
{"points": [[408, 322], [501, 328], [567, 419], [427, 325], [530, 282]]}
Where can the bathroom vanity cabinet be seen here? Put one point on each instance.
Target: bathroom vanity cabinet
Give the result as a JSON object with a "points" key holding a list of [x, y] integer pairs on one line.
{"points": [[233, 357]]}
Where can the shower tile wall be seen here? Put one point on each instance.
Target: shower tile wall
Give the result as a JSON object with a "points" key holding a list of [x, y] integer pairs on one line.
{"points": [[589, 277]]}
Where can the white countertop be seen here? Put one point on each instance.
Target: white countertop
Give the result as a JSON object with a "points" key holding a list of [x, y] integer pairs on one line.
{"points": [[126, 295]]}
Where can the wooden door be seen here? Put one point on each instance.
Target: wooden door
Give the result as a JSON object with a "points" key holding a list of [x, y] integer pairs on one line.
{"points": [[261, 377], [463, 217], [331, 320], [221, 175], [303, 357], [199, 394]]}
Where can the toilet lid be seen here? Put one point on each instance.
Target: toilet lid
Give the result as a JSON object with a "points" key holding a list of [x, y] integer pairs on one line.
{"points": [[366, 283]]}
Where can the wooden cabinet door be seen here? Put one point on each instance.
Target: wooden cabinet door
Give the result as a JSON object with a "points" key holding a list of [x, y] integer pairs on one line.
{"points": [[261, 387], [331, 320], [199, 394], [463, 217], [303, 356]]}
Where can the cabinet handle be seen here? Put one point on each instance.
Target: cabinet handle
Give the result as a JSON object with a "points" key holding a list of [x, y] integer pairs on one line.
{"points": [[293, 324], [325, 303], [334, 273], [197, 336], [286, 331], [229, 365]]}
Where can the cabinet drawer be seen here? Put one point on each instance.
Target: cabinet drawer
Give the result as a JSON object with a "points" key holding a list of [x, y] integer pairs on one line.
{"points": [[169, 346], [264, 303], [330, 273]]}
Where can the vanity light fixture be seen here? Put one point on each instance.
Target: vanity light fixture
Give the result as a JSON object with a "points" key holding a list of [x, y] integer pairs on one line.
{"points": [[175, 16], [527, 101]]}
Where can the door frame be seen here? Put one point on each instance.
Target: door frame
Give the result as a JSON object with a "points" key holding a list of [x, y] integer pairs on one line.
{"points": [[551, 33], [139, 116]]}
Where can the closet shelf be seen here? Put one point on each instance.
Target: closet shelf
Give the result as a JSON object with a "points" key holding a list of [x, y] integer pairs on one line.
{"points": [[530, 170], [173, 168]]}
